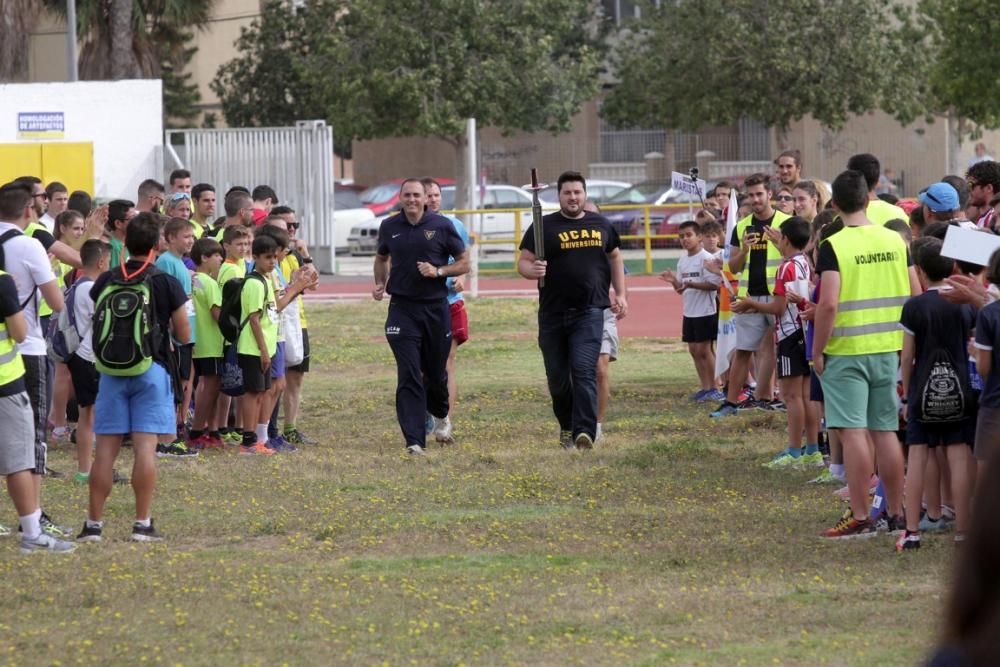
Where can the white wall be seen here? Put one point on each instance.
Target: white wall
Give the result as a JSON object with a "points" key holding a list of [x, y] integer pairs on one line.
{"points": [[123, 119]]}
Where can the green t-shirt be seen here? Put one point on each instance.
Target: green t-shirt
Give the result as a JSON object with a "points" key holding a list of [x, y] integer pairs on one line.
{"points": [[258, 297], [230, 270], [208, 339], [117, 250]]}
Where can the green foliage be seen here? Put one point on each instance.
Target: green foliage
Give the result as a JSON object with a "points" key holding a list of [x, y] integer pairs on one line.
{"points": [[695, 63], [406, 67], [180, 96], [964, 74]]}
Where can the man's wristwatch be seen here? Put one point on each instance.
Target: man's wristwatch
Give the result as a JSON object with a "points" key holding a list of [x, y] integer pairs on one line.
{"points": [[439, 273], [307, 260]]}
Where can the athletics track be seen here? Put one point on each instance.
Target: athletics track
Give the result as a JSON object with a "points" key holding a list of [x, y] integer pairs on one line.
{"points": [[654, 307]]}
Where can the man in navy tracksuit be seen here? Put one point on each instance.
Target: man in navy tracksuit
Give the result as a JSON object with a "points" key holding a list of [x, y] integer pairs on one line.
{"points": [[417, 244]]}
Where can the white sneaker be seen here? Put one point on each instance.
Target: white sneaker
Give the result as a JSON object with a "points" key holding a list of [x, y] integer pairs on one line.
{"points": [[46, 542], [599, 434], [415, 450], [583, 441], [442, 430]]}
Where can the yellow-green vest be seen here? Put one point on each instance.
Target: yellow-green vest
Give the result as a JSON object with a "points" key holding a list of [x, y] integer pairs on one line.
{"points": [[773, 254], [43, 308], [874, 285], [11, 364]]}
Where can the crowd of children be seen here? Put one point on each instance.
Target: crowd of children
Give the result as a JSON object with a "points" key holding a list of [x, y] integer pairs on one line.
{"points": [[159, 336], [943, 334]]}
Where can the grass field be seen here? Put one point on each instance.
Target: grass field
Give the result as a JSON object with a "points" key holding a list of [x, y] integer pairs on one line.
{"points": [[668, 544]]}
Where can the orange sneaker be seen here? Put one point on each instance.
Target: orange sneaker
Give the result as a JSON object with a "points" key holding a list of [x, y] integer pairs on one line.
{"points": [[259, 448]]}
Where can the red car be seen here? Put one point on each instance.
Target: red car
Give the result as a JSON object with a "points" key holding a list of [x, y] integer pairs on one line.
{"points": [[384, 197]]}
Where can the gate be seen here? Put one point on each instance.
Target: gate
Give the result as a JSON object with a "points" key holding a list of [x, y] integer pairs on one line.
{"points": [[296, 161]]}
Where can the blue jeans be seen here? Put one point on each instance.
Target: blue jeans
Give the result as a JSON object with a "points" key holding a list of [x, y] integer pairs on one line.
{"points": [[571, 343]]}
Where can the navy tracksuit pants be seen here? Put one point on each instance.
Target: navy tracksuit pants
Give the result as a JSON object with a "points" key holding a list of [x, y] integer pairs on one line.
{"points": [[570, 344], [419, 333]]}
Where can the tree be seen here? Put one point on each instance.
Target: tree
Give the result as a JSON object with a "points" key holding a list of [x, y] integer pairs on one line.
{"points": [[140, 38], [17, 20], [384, 68], [695, 63]]}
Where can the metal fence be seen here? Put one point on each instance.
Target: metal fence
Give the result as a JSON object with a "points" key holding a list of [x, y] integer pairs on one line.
{"points": [[296, 161]]}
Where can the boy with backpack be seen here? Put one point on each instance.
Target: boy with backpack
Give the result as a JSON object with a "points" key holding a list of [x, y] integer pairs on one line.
{"points": [[136, 306], [207, 256], [236, 240], [96, 258], [178, 234], [939, 401]]}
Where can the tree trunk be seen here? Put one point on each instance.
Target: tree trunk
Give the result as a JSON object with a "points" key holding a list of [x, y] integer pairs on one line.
{"points": [[17, 20], [123, 63]]}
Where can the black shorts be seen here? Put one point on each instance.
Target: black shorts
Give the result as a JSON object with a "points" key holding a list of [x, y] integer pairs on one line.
{"points": [[939, 435], [302, 367], [208, 366], [815, 389], [183, 355], [792, 356], [85, 379], [700, 329], [255, 380]]}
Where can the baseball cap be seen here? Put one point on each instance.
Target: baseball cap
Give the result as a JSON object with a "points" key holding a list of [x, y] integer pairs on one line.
{"points": [[940, 198]]}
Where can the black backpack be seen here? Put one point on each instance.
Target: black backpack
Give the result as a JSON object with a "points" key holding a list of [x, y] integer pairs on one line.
{"points": [[125, 333], [944, 394], [231, 319]]}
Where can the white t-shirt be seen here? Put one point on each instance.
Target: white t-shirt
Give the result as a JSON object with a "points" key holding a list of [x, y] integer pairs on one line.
{"points": [[49, 222], [691, 269], [83, 311], [29, 264], [793, 274]]}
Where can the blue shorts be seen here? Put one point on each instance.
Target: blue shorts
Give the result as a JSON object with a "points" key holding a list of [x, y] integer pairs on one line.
{"points": [[139, 404], [278, 362]]}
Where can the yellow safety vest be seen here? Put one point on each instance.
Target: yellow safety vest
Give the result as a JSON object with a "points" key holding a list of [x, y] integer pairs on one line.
{"points": [[43, 308], [874, 285], [773, 254], [11, 364]]}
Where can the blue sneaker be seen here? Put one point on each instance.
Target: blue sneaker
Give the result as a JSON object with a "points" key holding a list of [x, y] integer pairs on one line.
{"points": [[714, 395], [280, 445], [724, 410], [698, 396]]}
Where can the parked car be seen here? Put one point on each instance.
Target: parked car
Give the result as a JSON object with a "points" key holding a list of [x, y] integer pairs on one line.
{"points": [[348, 212], [661, 220], [363, 238], [383, 197], [598, 191]]}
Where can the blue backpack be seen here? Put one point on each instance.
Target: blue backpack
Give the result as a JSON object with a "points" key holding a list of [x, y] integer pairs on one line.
{"points": [[63, 336]]}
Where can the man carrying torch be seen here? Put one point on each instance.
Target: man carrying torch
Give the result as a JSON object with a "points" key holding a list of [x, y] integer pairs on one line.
{"points": [[580, 260]]}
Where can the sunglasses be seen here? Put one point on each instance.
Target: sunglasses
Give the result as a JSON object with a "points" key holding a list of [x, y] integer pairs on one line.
{"points": [[293, 225], [785, 198], [180, 196]]}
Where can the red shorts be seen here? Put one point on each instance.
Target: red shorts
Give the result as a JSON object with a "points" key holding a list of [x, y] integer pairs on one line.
{"points": [[459, 322]]}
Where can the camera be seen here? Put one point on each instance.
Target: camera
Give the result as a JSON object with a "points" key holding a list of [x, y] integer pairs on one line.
{"points": [[693, 173]]}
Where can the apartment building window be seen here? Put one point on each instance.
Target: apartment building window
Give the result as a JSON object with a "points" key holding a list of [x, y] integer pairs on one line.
{"points": [[623, 10]]}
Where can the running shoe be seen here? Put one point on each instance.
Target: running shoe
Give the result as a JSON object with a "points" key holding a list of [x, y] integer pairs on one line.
{"points": [[90, 533], [232, 438], [814, 460], [825, 477], [148, 533], [177, 449], [52, 528], [281, 446], [82, 477], [297, 437], [783, 461], [584, 441], [46, 542], [60, 435], [890, 524], [775, 405], [118, 478], [698, 396], [745, 394], [908, 541], [929, 525], [750, 404], [415, 450], [259, 448], [848, 528], [727, 409], [442, 431], [714, 395], [566, 440], [54, 474]]}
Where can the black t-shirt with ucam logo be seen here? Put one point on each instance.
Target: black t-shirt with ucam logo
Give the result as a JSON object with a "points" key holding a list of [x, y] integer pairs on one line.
{"points": [[578, 274]]}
